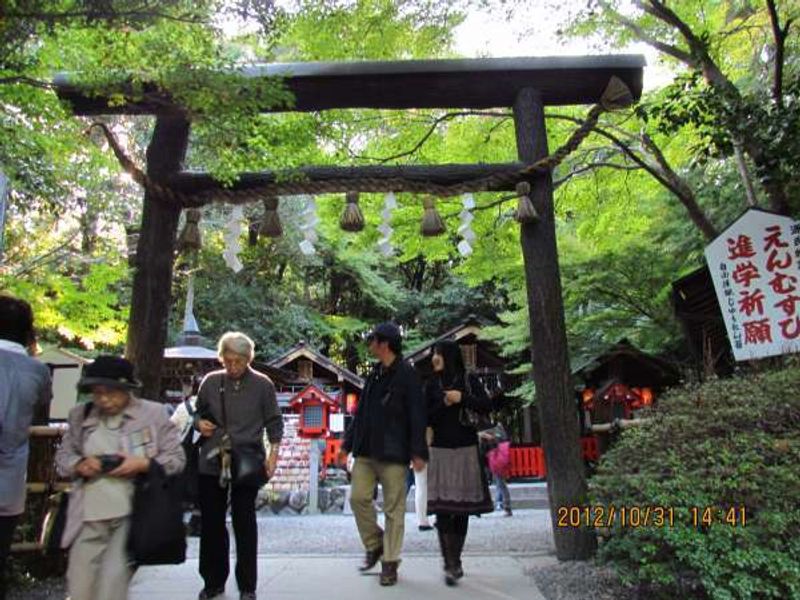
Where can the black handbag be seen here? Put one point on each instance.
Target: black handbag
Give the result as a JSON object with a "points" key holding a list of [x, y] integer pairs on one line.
{"points": [[157, 534], [473, 418], [247, 460]]}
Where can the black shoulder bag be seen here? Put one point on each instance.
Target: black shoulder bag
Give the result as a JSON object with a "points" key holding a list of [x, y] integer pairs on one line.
{"points": [[469, 417], [246, 460], [157, 534]]}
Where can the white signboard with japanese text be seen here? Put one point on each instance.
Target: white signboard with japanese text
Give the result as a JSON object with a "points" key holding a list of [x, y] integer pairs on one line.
{"points": [[336, 422], [755, 266]]}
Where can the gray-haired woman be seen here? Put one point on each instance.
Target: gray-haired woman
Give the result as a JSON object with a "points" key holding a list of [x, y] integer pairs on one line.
{"points": [[234, 407], [107, 444]]}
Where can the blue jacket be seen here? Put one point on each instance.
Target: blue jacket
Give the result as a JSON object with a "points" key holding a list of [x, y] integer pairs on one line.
{"points": [[25, 391]]}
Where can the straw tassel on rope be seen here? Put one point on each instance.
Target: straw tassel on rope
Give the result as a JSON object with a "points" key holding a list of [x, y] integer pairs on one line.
{"points": [[352, 217], [526, 212], [271, 222], [432, 223], [189, 239]]}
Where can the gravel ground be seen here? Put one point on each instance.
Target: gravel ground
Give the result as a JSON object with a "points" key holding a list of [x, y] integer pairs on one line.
{"points": [[527, 534], [577, 581]]}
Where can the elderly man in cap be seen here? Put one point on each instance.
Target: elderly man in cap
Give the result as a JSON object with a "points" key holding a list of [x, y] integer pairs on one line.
{"points": [[25, 393], [387, 432], [108, 443]]}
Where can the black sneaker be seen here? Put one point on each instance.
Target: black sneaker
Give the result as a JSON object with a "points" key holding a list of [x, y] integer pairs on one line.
{"points": [[210, 594]]}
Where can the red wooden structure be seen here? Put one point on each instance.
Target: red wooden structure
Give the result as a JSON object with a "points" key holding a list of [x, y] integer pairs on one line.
{"points": [[315, 407], [333, 447], [528, 461]]}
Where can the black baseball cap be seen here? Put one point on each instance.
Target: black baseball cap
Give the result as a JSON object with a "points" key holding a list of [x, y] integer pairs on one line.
{"points": [[385, 332]]}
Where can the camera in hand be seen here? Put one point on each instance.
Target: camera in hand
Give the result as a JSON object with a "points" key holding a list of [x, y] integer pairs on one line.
{"points": [[109, 462]]}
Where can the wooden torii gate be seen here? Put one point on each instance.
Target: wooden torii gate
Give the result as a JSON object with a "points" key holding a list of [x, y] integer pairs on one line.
{"points": [[526, 85]]}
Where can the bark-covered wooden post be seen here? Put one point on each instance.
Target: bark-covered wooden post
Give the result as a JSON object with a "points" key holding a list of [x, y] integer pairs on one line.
{"points": [[566, 479], [152, 277]]}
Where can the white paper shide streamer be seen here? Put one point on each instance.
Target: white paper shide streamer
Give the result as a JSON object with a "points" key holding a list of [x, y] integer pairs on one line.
{"points": [[233, 231], [308, 226], [465, 228], [385, 228]]}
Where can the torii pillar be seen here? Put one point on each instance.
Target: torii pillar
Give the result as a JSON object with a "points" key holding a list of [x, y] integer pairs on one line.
{"points": [[566, 482]]}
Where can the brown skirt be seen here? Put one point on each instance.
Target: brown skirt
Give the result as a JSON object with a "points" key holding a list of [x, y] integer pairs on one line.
{"points": [[457, 482]]}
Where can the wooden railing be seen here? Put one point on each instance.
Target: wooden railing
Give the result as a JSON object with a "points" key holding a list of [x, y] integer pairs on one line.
{"points": [[528, 461], [41, 482]]}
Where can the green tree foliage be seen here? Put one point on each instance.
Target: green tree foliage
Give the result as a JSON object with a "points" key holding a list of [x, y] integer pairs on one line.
{"points": [[621, 205], [740, 65]]}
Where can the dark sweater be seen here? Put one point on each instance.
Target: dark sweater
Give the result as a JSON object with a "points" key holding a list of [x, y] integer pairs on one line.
{"points": [[448, 432], [250, 405]]}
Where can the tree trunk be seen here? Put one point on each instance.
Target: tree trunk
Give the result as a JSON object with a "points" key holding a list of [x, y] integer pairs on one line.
{"points": [[566, 480], [152, 278]]}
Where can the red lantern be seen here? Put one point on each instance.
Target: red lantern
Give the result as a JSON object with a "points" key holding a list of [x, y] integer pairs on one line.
{"points": [[587, 397], [647, 396], [351, 403]]}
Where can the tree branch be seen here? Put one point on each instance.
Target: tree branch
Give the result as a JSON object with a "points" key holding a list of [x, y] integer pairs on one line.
{"points": [[673, 51], [432, 129], [100, 16], [630, 302], [45, 258], [37, 83], [591, 167], [780, 35], [663, 173]]}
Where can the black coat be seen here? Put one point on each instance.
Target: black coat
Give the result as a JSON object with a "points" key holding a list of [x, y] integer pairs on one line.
{"points": [[390, 420], [449, 430]]}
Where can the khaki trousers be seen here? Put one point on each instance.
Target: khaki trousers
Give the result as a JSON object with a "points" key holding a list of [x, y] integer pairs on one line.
{"points": [[98, 562], [392, 477]]}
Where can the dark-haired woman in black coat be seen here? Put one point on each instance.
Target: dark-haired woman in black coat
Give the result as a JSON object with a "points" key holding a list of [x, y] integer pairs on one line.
{"points": [[457, 486]]}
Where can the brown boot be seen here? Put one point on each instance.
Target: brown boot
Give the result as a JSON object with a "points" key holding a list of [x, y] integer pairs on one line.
{"points": [[371, 558], [389, 572]]}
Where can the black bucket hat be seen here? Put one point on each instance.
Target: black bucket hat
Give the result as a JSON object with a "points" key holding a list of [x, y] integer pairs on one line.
{"points": [[109, 371]]}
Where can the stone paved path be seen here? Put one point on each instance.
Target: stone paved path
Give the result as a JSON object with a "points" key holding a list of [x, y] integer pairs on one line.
{"points": [[315, 558], [332, 578]]}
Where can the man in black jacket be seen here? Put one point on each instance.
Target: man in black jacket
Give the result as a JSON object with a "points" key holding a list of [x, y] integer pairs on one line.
{"points": [[387, 433]]}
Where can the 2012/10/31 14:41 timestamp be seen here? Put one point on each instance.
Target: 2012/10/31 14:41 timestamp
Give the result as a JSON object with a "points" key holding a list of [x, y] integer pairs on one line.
{"points": [[651, 516]]}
